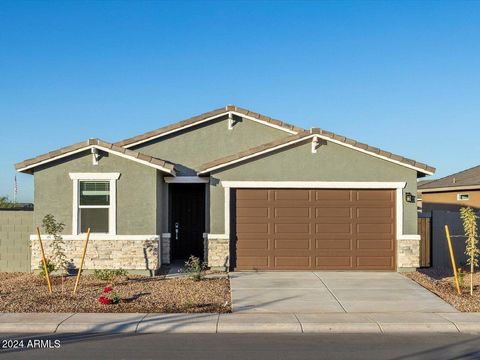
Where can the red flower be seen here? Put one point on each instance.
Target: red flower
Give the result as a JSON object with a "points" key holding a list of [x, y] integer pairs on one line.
{"points": [[107, 289], [105, 301]]}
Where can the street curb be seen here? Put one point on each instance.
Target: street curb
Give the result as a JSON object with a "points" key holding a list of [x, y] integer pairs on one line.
{"points": [[241, 323]]}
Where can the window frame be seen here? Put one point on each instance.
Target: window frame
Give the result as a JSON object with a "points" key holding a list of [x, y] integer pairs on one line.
{"points": [[112, 208], [459, 195]]}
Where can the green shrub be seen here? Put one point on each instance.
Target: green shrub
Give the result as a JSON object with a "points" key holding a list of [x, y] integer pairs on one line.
{"points": [[109, 274], [50, 267], [195, 268]]}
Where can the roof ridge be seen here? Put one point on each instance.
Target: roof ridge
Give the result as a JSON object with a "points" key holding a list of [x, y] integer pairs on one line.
{"points": [[449, 176]]}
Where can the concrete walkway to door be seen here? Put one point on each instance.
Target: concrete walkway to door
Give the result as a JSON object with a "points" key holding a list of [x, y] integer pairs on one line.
{"points": [[331, 292]]}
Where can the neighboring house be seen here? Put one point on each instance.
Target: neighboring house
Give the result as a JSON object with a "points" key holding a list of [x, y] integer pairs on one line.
{"points": [[451, 192], [236, 188]]}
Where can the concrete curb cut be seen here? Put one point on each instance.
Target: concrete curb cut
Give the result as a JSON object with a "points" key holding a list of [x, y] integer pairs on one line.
{"points": [[365, 323]]}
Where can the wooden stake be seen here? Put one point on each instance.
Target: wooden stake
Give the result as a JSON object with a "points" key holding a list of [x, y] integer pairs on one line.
{"points": [[44, 260], [452, 258], [81, 262]]}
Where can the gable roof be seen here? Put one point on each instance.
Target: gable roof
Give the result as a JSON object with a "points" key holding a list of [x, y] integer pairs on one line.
{"points": [[465, 178], [314, 133], [208, 116], [151, 161]]}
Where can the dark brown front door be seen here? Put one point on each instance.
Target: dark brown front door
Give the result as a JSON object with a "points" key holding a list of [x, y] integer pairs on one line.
{"points": [[306, 229], [187, 220]]}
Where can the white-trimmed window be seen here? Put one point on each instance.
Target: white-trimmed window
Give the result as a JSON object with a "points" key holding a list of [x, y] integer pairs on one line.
{"points": [[94, 203], [463, 197]]}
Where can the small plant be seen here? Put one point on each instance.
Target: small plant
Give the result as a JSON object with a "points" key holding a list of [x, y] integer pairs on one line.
{"points": [[50, 267], [195, 268], [461, 278], [110, 275], [109, 296]]}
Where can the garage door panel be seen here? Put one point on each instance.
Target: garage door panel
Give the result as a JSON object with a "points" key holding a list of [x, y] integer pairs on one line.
{"points": [[374, 195], [343, 212], [282, 244], [292, 212], [252, 194], [379, 244], [252, 262], [292, 228], [315, 229], [378, 212], [374, 261], [252, 212], [300, 262], [337, 262], [335, 228], [375, 228], [337, 195], [291, 195], [253, 244], [249, 228], [334, 244]]}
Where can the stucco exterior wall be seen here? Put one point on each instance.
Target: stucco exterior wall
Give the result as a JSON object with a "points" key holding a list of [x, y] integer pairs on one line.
{"points": [[200, 144], [332, 162], [136, 192]]}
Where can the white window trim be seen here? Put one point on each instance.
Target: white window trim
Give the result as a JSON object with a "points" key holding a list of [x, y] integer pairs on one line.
{"points": [[112, 213], [463, 194], [398, 186]]}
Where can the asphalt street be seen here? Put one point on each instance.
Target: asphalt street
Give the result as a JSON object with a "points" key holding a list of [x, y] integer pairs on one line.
{"points": [[240, 346]]}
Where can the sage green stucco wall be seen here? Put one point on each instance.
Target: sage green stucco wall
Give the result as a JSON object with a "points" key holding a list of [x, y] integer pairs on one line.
{"points": [[136, 192], [200, 144], [332, 162]]}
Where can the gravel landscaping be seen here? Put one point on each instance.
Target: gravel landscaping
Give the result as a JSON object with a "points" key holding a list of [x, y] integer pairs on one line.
{"points": [[20, 292], [442, 283]]}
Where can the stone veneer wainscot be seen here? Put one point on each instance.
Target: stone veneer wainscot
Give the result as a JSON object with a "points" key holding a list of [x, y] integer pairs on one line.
{"points": [[138, 255]]}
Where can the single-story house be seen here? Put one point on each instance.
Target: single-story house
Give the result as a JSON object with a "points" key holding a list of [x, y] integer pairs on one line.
{"points": [[236, 188], [451, 192]]}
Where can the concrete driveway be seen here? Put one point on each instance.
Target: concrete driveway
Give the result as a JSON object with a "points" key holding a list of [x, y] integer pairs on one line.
{"points": [[331, 292]]}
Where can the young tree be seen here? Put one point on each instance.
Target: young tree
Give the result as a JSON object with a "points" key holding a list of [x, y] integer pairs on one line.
{"points": [[57, 246], [469, 218]]}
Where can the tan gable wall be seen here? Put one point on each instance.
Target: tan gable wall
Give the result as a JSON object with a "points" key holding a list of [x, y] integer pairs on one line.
{"points": [[448, 200]]}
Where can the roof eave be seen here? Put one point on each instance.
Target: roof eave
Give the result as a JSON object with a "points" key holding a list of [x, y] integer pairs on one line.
{"points": [[169, 168], [230, 160]]}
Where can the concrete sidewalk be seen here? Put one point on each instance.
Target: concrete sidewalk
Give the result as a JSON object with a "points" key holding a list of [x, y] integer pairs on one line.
{"points": [[388, 323]]}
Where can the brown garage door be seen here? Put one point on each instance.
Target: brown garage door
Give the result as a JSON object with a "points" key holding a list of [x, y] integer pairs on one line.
{"points": [[300, 229]]}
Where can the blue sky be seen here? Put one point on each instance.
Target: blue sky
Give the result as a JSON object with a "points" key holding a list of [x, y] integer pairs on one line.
{"points": [[402, 76]]}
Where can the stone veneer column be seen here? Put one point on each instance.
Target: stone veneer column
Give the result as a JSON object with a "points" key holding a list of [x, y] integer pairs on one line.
{"points": [[166, 248], [218, 253], [408, 254]]}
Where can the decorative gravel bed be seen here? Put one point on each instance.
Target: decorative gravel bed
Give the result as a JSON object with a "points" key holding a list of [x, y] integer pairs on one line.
{"points": [[442, 283], [21, 292]]}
